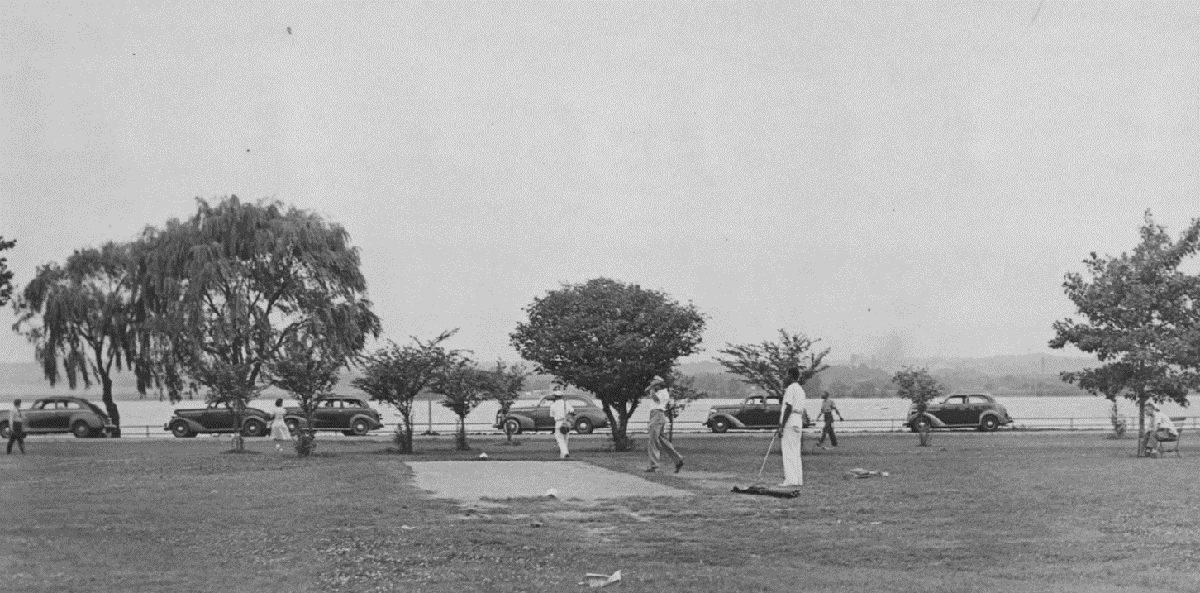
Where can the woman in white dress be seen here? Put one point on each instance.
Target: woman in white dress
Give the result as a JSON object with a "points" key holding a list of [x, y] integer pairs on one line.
{"points": [[279, 428]]}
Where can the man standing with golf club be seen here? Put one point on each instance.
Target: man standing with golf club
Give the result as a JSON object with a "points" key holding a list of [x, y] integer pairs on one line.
{"points": [[791, 423]]}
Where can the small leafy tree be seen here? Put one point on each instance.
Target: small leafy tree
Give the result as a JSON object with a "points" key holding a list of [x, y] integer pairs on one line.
{"points": [[396, 374], [80, 318], [765, 365], [1140, 319], [309, 374], [919, 387], [608, 338], [509, 381], [683, 392], [6, 274], [463, 386]]}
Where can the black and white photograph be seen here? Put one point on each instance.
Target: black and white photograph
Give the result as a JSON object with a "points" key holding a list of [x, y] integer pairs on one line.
{"points": [[530, 297]]}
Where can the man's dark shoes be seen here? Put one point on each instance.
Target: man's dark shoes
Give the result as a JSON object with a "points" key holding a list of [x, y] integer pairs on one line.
{"points": [[678, 465]]}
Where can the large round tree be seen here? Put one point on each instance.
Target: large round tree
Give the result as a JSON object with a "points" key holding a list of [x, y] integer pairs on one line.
{"points": [[610, 339], [226, 291]]}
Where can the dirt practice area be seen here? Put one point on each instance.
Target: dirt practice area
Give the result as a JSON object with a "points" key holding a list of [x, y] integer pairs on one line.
{"points": [[498, 480], [1008, 511]]}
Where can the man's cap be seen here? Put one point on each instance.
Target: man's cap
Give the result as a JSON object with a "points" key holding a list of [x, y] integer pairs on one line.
{"points": [[1152, 405], [657, 380]]}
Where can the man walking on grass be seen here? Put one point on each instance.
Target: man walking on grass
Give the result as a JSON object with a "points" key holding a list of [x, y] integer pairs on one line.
{"points": [[791, 425], [657, 441], [16, 427], [827, 410], [561, 410]]}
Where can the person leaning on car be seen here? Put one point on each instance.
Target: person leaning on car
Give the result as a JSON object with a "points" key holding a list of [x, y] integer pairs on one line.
{"points": [[16, 427]]}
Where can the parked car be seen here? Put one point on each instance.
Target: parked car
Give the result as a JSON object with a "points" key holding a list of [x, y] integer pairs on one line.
{"points": [[351, 415], [526, 417], [216, 417], [974, 410], [754, 412], [75, 415]]}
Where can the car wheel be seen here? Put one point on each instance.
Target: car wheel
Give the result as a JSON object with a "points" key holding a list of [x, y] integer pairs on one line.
{"points": [[4, 432], [293, 426], [719, 425], [989, 424], [921, 424], [360, 427], [181, 430], [254, 428], [81, 430], [583, 426], [512, 426]]}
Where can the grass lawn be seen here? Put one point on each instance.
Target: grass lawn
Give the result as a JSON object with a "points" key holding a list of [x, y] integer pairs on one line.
{"points": [[973, 512]]}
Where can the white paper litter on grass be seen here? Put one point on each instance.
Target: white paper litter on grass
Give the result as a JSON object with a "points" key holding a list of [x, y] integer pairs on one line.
{"points": [[601, 580]]}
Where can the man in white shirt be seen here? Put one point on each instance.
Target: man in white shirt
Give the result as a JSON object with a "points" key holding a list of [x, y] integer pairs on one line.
{"points": [[16, 427], [1161, 429], [656, 441], [791, 423], [561, 410]]}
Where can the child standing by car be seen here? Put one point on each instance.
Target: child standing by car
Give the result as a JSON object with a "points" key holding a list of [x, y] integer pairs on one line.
{"points": [[561, 410], [279, 428], [16, 427]]}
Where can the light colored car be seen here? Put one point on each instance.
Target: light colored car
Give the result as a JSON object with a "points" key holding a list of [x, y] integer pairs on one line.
{"points": [[971, 410]]}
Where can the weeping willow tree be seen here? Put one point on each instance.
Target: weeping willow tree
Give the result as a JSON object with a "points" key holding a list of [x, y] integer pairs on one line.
{"points": [[227, 290], [79, 316]]}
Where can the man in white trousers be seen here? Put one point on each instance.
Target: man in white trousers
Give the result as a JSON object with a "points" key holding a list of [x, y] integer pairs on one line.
{"points": [[561, 410], [791, 423]]}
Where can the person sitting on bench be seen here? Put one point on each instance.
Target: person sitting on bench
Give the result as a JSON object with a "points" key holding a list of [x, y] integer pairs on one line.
{"points": [[1161, 429]]}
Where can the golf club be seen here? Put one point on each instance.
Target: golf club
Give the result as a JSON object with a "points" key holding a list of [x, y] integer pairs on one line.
{"points": [[771, 445]]}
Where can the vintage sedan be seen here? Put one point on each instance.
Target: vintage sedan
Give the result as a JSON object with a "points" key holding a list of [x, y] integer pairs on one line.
{"points": [[75, 415], [217, 418], [349, 415], [535, 417], [980, 411], [754, 412]]}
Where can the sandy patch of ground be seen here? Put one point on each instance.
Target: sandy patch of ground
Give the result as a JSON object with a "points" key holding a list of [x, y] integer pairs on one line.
{"points": [[574, 480]]}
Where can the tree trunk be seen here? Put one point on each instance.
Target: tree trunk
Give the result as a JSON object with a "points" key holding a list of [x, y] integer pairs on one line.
{"points": [[460, 439], [405, 430], [1141, 448], [620, 432], [110, 407], [239, 443]]}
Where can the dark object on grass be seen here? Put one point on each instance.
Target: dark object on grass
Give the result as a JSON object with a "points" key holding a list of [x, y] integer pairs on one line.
{"points": [[777, 492]]}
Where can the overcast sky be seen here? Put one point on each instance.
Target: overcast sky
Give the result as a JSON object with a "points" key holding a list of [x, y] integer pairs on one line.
{"points": [[854, 171]]}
